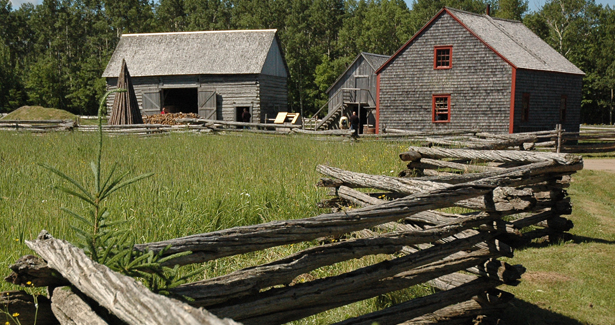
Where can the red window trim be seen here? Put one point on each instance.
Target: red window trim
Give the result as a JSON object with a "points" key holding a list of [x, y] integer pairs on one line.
{"points": [[433, 107], [562, 111], [525, 111], [450, 57]]}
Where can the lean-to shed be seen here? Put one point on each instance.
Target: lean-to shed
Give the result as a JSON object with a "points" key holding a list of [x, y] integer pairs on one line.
{"points": [[354, 90], [469, 71], [213, 73]]}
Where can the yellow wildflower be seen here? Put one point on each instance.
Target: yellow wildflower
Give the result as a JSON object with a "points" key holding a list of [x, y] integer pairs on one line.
{"points": [[7, 323], [16, 239], [29, 283], [15, 314]]}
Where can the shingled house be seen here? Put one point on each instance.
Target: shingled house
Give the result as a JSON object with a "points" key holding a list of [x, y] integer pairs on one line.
{"points": [[463, 71], [213, 73], [354, 90]]}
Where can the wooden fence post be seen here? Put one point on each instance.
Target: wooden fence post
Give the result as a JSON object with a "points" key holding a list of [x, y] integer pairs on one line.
{"points": [[558, 128]]}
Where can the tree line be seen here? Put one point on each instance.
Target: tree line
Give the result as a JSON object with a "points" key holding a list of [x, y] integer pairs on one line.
{"points": [[53, 54]]}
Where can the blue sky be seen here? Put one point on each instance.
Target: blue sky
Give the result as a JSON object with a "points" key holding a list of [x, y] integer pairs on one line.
{"points": [[534, 4]]}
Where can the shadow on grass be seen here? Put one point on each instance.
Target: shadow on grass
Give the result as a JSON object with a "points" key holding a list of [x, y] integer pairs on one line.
{"points": [[566, 238], [521, 312]]}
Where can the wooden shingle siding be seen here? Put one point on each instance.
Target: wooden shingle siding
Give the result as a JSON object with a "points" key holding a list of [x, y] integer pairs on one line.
{"points": [[479, 83], [545, 91]]}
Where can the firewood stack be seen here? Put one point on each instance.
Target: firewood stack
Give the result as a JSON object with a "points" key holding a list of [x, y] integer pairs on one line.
{"points": [[168, 119]]}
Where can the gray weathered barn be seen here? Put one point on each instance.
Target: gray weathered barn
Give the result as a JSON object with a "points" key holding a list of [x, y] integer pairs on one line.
{"points": [[213, 73], [354, 90], [463, 71]]}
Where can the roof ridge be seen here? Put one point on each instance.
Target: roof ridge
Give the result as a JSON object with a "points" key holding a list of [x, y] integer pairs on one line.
{"points": [[203, 32], [514, 39], [374, 54]]}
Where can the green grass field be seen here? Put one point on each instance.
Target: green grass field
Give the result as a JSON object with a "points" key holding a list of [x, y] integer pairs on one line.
{"points": [[204, 183]]}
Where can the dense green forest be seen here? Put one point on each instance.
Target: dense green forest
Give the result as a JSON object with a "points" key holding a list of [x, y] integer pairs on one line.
{"points": [[53, 54]]}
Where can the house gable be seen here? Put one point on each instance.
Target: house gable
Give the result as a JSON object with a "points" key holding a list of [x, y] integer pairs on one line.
{"points": [[274, 63], [478, 82]]}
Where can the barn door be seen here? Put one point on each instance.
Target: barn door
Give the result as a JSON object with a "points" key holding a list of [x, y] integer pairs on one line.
{"points": [[151, 102], [207, 104]]}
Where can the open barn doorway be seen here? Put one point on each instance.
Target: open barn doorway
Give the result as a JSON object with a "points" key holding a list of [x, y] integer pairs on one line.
{"points": [[180, 100]]}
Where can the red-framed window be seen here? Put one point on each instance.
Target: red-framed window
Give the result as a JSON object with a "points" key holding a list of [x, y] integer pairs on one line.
{"points": [[525, 107], [441, 108], [562, 108], [443, 57]]}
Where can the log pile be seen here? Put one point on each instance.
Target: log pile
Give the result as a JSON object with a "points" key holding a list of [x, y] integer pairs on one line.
{"points": [[168, 118], [501, 193]]}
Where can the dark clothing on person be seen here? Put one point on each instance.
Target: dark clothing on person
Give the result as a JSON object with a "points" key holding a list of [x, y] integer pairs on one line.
{"points": [[354, 124], [245, 117]]}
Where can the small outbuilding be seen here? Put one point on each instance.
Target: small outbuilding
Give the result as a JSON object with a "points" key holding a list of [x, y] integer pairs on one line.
{"points": [[216, 74], [354, 90], [466, 71]]}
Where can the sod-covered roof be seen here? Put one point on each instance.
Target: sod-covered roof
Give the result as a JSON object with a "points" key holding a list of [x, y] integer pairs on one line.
{"points": [[192, 53]]}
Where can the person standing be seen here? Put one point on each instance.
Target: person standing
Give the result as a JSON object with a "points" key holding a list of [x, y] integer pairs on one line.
{"points": [[246, 116], [354, 124]]}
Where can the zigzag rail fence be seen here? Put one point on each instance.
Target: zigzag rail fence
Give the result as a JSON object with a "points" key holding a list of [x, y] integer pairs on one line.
{"points": [[588, 140], [502, 192]]}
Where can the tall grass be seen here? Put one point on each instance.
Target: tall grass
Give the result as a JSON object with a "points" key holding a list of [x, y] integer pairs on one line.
{"points": [[202, 183]]}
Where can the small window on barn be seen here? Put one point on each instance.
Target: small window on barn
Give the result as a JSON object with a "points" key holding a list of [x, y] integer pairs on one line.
{"points": [[443, 57], [525, 105], [562, 108], [441, 108]]}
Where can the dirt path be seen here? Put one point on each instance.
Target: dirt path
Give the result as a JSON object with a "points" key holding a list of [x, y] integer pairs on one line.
{"points": [[599, 164]]}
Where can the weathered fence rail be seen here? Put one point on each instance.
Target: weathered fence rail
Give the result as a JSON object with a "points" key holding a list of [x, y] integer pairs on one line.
{"points": [[501, 192]]}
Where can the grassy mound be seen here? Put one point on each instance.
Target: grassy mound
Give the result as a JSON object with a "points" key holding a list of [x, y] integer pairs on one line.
{"points": [[39, 113]]}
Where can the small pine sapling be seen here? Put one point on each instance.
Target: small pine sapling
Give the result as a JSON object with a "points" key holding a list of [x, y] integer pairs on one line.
{"points": [[102, 239]]}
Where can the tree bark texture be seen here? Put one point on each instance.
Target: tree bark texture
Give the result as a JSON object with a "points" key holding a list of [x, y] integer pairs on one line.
{"points": [[520, 157], [121, 295], [32, 269], [69, 309], [23, 304]]}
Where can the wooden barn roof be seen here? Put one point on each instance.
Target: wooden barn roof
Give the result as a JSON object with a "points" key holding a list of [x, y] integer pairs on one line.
{"points": [[374, 60], [192, 53], [510, 39]]}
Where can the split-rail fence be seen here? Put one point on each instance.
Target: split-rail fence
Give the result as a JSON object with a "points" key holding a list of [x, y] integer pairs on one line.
{"points": [[444, 221]]}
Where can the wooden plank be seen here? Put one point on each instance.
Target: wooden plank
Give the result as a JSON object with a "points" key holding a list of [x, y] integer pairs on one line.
{"points": [[121, 295], [280, 118]]}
